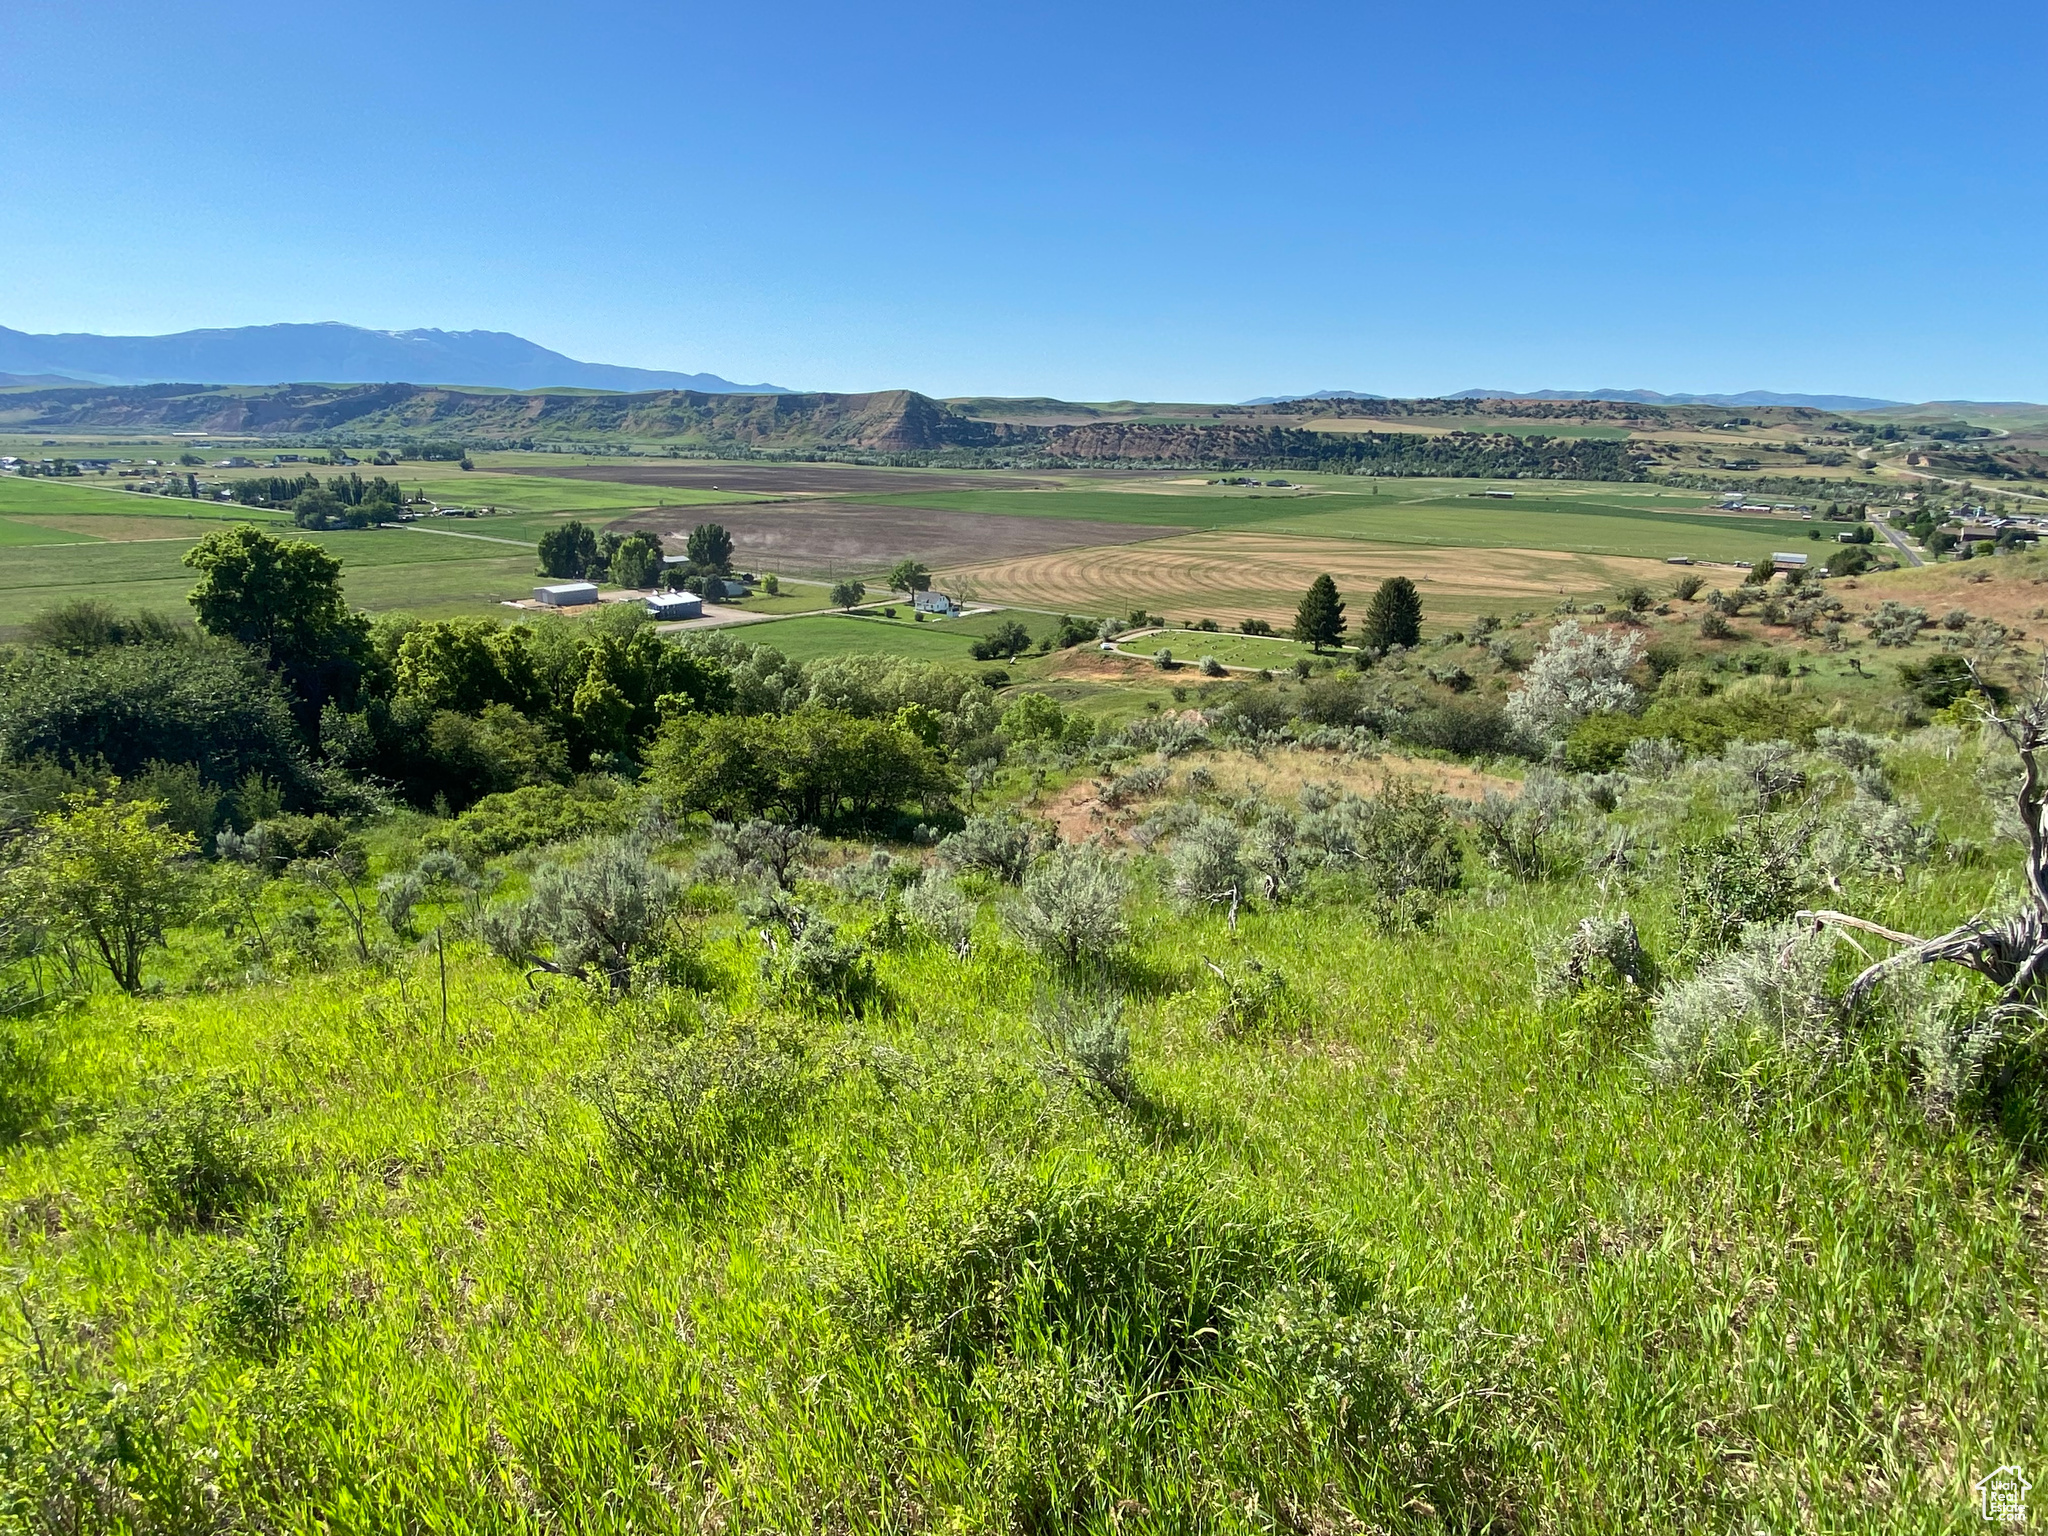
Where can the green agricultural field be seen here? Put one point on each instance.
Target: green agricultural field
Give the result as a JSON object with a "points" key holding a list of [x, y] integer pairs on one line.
{"points": [[383, 569], [794, 597], [1233, 650], [1595, 524], [807, 639], [541, 494], [26, 495], [14, 531]]}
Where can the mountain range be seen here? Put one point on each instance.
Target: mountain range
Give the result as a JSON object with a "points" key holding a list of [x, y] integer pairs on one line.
{"points": [[332, 353], [1633, 396]]}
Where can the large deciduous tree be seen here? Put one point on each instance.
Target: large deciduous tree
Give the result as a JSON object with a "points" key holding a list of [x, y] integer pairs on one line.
{"points": [[568, 553], [814, 766], [710, 545], [910, 576], [282, 598], [637, 562]]}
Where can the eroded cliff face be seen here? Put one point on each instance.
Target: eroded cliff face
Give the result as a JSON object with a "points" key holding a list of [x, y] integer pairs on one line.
{"points": [[898, 420]]}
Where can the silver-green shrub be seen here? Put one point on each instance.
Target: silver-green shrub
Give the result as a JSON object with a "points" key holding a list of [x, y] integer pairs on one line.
{"points": [[1071, 908], [1763, 1004]]}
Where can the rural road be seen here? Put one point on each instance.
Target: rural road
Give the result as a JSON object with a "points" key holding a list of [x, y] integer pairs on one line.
{"points": [[1898, 541]]}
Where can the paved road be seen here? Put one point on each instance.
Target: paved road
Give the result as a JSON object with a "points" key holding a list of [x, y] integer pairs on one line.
{"points": [[1898, 541]]}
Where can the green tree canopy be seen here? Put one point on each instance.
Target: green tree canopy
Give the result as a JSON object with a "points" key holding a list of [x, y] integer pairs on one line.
{"points": [[846, 593], [1395, 616], [119, 709], [465, 665], [568, 553], [1319, 621], [709, 544], [282, 598], [910, 576], [106, 872], [815, 766], [1009, 639], [637, 562]]}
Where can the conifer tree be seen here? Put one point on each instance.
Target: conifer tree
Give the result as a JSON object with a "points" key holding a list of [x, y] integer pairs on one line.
{"points": [[1319, 621], [1395, 617]]}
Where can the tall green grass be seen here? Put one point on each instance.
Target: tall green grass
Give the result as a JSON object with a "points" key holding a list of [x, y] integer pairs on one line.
{"points": [[1431, 1257]]}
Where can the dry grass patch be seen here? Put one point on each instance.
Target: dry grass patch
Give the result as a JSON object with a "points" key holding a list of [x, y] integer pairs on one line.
{"points": [[1275, 774]]}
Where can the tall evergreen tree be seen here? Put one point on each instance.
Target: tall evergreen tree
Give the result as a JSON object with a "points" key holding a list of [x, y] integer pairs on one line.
{"points": [[1395, 617], [1319, 621]]}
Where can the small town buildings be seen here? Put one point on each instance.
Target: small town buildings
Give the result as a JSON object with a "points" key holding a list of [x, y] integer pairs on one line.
{"points": [[566, 594], [676, 605]]}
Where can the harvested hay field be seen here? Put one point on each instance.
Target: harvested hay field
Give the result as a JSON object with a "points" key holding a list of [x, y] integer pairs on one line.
{"points": [[1230, 576], [795, 479], [834, 539]]}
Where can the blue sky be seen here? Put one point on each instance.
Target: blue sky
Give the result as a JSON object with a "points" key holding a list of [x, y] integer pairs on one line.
{"points": [[1152, 201]]}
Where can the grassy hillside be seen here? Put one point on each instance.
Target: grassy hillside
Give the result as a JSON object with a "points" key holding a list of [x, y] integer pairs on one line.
{"points": [[1398, 1244]]}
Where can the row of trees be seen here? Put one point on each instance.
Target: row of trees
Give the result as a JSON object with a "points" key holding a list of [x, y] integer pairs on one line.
{"points": [[575, 552], [1395, 617]]}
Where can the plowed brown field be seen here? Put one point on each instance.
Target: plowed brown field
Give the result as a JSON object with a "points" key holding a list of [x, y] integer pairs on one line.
{"points": [[839, 538], [1232, 576]]}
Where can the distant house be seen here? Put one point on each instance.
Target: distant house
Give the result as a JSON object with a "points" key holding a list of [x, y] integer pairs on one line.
{"points": [[566, 594], [714, 590], [1788, 562], [676, 605], [234, 463], [934, 602]]}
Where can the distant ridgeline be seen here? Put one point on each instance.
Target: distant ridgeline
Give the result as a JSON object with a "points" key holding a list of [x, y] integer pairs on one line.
{"points": [[901, 424]]}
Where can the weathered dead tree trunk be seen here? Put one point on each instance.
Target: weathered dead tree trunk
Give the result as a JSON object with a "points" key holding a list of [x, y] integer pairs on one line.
{"points": [[2013, 952]]}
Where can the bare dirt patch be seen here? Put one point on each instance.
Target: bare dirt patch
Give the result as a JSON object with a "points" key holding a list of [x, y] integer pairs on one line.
{"points": [[836, 538], [1238, 575]]}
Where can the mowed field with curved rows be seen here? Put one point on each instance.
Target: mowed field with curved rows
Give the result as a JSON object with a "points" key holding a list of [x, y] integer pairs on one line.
{"points": [[1232, 576]]}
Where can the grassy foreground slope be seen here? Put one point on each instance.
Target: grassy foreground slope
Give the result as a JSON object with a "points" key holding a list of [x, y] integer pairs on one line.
{"points": [[1476, 1269]]}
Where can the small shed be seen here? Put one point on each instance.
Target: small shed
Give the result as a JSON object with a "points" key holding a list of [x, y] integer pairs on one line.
{"points": [[676, 605], [566, 594], [1788, 562], [934, 602]]}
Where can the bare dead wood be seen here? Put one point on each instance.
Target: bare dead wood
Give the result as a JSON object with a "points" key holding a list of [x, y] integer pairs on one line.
{"points": [[2013, 952]]}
